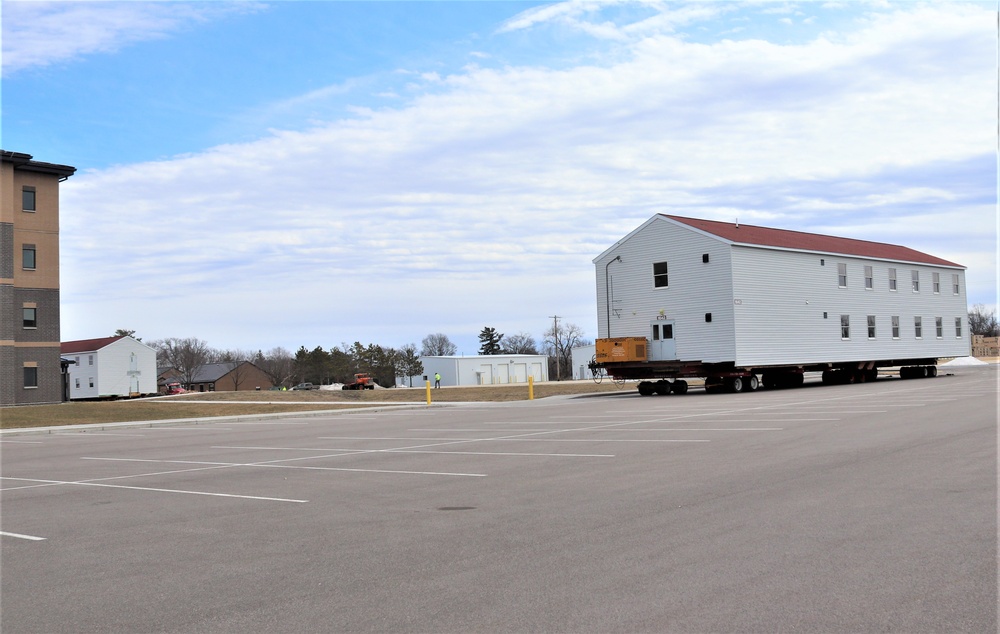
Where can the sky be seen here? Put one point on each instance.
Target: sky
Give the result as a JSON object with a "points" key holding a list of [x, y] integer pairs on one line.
{"points": [[264, 174]]}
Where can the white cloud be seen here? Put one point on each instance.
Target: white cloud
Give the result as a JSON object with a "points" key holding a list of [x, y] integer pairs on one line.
{"points": [[483, 202], [42, 33]]}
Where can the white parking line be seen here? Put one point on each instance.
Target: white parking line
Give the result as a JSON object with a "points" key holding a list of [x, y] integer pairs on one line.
{"points": [[122, 486], [465, 453], [20, 536], [272, 465], [82, 434]]}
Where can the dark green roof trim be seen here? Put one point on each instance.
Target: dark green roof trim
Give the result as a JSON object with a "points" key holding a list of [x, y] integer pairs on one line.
{"points": [[23, 161]]}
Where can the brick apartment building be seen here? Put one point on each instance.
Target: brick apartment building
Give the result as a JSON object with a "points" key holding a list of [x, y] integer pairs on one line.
{"points": [[30, 370]]}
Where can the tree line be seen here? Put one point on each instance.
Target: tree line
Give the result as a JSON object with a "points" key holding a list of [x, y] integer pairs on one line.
{"points": [[339, 364]]}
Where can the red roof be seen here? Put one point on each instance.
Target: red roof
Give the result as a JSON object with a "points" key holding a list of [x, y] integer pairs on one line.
{"points": [[801, 241], [86, 345]]}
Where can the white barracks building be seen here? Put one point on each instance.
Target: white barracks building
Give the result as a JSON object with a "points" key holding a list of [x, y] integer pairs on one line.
{"points": [[719, 292]]}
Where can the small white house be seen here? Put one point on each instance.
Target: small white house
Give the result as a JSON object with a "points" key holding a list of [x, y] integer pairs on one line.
{"points": [[497, 369], [722, 292], [109, 367]]}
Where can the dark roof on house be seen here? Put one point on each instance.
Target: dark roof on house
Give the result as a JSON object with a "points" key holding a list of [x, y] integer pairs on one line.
{"points": [[23, 161], [800, 241], [212, 372], [86, 345]]}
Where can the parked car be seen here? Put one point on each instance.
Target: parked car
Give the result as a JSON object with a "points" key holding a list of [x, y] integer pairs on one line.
{"points": [[174, 387], [305, 386]]}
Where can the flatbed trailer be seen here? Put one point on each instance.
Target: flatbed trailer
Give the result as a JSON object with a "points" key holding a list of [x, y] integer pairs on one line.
{"points": [[624, 359]]}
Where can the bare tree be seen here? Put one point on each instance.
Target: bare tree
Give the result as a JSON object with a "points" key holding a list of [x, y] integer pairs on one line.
{"points": [[410, 364], [437, 345], [278, 364], [559, 341], [983, 322], [521, 343], [238, 359], [186, 356]]}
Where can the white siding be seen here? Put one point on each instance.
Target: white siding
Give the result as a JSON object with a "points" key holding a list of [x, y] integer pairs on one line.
{"points": [[83, 371], [695, 288], [783, 296]]}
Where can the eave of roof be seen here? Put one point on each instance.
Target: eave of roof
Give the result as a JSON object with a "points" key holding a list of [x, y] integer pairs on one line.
{"points": [[743, 234], [22, 161], [86, 345]]}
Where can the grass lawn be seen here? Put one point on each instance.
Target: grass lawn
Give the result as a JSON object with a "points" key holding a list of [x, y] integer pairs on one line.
{"points": [[200, 405]]}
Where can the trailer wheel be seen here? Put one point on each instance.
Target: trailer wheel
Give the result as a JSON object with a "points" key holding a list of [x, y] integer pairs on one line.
{"points": [[680, 387], [598, 373], [735, 384], [932, 371], [645, 388], [750, 383], [662, 387]]}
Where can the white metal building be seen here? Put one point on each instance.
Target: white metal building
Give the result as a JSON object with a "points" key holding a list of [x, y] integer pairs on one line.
{"points": [[109, 367], [727, 292], [497, 369], [582, 356]]}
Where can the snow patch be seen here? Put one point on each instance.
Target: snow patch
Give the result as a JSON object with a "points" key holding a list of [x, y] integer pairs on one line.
{"points": [[962, 361]]}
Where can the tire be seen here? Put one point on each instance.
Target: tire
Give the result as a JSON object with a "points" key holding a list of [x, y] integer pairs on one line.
{"points": [[645, 388], [679, 387], [932, 371], [750, 383], [735, 384], [662, 388]]}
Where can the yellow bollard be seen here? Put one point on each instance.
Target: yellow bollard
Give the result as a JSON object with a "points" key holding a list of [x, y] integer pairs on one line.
{"points": [[428, 392], [531, 388]]}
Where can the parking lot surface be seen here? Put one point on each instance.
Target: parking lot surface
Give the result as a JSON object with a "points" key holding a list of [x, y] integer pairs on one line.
{"points": [[852, 508]]}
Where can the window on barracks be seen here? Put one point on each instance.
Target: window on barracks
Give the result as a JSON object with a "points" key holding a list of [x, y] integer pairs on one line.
{"points": [[842, 275], [28, 256], [28, 199], [30, 376], [30, 317], [659, 274], [869, 278]]}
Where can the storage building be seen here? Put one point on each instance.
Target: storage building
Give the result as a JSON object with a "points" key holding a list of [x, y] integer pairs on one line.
{"points": [[497, 369]]}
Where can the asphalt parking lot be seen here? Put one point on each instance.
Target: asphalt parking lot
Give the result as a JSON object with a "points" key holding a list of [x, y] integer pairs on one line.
{"points": [[852, 508]]}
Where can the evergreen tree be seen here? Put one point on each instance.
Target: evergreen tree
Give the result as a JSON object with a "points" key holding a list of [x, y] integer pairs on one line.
{"points": [[489, 340]]}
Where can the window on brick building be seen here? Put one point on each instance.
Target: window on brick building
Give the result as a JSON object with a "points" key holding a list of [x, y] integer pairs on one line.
{"points": [[28, 256], [28, 199]]}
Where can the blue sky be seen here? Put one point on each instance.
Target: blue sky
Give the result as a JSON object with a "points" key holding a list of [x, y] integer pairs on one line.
{"points": [[313, 173]]}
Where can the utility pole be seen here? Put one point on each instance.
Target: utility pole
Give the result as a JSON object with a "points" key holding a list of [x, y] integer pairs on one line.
{"points": [[555, 338]]}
